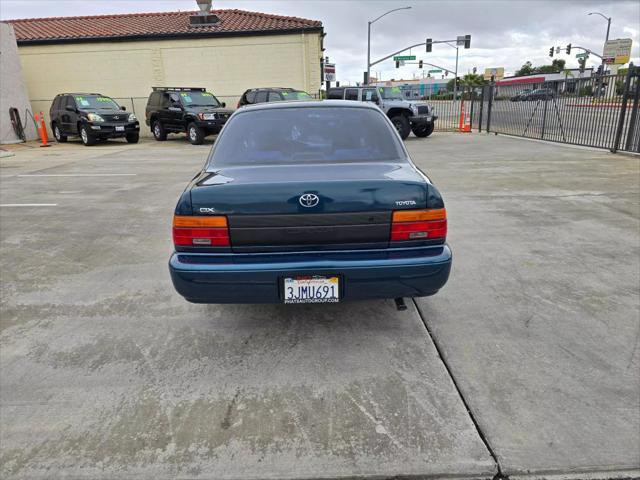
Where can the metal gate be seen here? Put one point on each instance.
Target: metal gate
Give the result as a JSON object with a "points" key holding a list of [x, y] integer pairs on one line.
{"points": [[600, 111]]}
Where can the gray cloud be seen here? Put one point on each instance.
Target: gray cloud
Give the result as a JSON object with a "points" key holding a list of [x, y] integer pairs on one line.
{"points": [[504, 33]]}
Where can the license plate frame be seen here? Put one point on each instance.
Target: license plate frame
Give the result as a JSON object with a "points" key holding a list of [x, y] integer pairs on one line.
{"points": [[119, 128], [314, 282]]}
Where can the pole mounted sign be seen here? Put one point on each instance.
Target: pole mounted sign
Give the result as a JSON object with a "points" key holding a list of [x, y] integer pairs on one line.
{"points": [[617, 51], [497, 73], [330, 72], [400, 58], [582, 55], [435, 71]]}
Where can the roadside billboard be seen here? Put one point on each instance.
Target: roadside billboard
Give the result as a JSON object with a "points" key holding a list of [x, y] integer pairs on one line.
{"points": [[498, 73], [617, 52]]}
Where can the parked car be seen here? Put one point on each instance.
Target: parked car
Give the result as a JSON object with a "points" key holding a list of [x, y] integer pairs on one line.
{"points": [[406, 116], [521, 95], [305, 202], [540, 94], [193, 111], [276, 94], [92, 117]]}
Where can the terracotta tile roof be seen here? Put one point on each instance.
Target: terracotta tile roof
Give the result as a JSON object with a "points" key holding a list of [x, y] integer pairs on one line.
{"points": [[152, 25]]}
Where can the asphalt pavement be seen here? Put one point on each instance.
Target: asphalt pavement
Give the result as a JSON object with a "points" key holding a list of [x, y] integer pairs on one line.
{"points": [[525, 364]]}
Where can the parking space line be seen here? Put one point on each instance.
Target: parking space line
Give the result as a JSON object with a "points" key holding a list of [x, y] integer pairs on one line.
{"points": [[28, 204], [77, 175]]}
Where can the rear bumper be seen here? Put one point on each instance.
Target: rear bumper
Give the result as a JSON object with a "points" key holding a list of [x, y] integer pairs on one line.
{"points": [[257, 277]]}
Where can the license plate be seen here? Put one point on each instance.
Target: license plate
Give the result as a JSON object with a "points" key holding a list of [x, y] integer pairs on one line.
{"points": [[120, 129], [311, 289]]}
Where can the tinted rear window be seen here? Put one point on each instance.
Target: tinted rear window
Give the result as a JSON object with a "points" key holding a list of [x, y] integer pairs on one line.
{"points": [[306, 135]]}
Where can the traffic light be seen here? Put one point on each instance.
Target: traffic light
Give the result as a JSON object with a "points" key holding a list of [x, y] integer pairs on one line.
{"points": [[429, 44], [600, 70], [569, 49], [475, 69], [582, 63], [551, 51], [467, 41], [420, 64], [397, 63]]}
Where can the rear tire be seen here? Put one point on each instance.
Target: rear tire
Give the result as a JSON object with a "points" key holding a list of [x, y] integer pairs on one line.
{"points": [[402, 125], [423, 129], [195, 134], [133, 137], [159, 133], [86, 136], [57, 133]]}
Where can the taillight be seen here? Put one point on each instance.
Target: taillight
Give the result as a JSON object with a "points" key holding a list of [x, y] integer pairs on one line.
{"points": [[419, 225], [200, 231]]}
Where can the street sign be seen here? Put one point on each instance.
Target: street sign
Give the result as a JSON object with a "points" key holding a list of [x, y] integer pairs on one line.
{"points": [[617, 51], [582, 55], [330, 72], [404, 57], [435, 71]]}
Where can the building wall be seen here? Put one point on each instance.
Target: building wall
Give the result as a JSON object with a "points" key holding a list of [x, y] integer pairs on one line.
{"points": [[13, 92], [126, 71]]}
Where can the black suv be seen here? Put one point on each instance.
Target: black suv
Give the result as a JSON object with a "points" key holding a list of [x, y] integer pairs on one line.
{"points": [[93, 117], [191, 110], [275, 94]]}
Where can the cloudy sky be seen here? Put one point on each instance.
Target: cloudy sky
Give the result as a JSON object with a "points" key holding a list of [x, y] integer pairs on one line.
{"points": [[504, 33]]}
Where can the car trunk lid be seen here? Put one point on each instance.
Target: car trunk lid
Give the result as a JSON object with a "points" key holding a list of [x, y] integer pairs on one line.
{"points": [[350, 204]]}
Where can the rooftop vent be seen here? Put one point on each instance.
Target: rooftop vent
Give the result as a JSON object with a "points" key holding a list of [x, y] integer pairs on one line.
{"points": [[204, 18]]}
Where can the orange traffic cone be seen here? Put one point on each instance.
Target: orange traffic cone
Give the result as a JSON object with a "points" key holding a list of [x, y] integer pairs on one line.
{"points": [[42, 130], [465, 120]]}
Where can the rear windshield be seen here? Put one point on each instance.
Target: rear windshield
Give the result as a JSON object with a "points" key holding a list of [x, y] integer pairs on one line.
{"points": [[95, 102], [199, 99], [306, 135], [295, 95]]}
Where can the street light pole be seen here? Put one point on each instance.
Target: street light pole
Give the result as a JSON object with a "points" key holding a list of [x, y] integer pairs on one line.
{"points": [[455, 80], [369, 40], [608, 19], [367, 80]]}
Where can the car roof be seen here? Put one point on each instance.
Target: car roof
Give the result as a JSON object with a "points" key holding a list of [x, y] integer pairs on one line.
{"points": [[79, 93], [280, 89], [309, 104]]}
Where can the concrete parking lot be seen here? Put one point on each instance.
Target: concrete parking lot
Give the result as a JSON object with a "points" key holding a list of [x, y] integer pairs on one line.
{"points": [[526, 364]]}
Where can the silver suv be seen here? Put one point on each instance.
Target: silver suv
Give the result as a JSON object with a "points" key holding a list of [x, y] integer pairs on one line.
{"points": [[406, 116]]}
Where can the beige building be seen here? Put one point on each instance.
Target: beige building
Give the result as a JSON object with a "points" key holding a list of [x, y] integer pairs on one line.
{"points": [[123, 56]]}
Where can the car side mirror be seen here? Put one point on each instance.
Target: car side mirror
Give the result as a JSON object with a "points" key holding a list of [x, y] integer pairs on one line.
{"points": [[123, 108], [69, 108], [224, 104]]}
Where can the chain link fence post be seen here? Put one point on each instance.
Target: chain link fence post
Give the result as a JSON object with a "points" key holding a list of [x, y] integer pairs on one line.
{"points": [[491, 92], [623, 109]]}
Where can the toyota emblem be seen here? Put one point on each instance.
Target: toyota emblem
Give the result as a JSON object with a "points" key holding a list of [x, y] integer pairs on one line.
{"points": [[309, 200], [117, 117]]}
